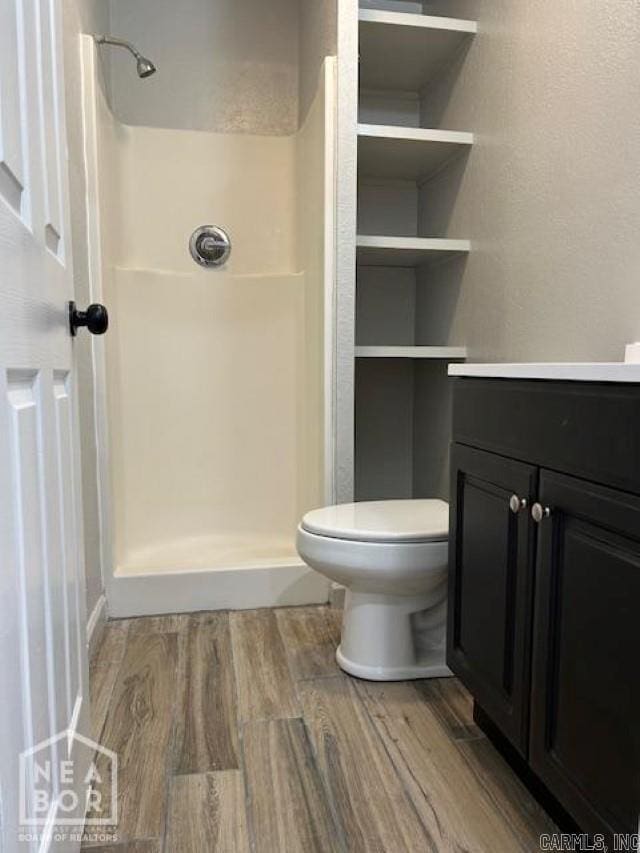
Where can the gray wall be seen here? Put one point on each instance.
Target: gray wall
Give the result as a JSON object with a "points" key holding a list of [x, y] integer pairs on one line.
{"points": [[551, 193], [81, 16], [230, 66], [550, 197], [317, 38], [223, 65]]}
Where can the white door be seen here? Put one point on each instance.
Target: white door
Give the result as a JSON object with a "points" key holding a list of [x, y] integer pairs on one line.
{"points": [[43, 658]]}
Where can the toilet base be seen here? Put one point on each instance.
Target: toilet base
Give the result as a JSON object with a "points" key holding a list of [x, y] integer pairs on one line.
{"points": [[434, 668], [395, 637]]}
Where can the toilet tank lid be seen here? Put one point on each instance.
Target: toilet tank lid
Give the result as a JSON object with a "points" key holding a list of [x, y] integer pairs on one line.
{"points": [[382, 521]]}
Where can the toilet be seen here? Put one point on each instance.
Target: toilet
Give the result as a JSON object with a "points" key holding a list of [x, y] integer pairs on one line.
{"points": [[392, 558]]}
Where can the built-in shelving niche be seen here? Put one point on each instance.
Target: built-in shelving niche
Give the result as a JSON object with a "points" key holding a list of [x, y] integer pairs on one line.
{"points": [[407, 153], [404, 51], [409, 265], [403, 424]]}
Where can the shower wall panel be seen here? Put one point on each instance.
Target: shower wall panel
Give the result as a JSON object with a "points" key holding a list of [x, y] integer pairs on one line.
{"points": [[176, 180], [315, 159], [206, 385]]}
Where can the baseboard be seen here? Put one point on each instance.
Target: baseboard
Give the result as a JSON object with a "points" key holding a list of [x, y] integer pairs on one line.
{"points": [[216, 589], [95, 625]]}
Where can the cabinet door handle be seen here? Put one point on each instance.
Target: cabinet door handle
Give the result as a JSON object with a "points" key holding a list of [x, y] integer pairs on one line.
{"points": [[516, 503], [539, 512]]}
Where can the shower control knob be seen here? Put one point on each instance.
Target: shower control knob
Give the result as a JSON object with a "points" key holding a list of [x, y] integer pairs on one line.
{"points": [[95, 318], [210, 246]]}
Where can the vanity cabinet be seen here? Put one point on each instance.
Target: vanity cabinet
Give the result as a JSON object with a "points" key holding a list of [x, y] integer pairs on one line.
{"points": [[585, 696], [544, 596], [492, 572]]}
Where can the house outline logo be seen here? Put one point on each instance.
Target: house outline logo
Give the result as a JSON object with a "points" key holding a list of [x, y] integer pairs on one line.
{"points": [[90, 776]]}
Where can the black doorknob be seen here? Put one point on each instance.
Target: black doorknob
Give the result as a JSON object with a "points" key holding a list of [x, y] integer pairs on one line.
{"points": [[95, 318]]}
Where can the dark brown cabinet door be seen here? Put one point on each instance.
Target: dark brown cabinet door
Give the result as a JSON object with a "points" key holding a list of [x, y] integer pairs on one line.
{"points": [[585, 726], [490, 585]]}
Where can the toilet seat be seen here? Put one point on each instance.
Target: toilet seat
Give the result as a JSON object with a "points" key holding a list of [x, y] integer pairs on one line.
{"points": [[382, 521], [382, 567]]}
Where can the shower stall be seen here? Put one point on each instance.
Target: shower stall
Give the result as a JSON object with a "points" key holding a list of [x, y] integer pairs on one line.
{"points": [[214, 383]]}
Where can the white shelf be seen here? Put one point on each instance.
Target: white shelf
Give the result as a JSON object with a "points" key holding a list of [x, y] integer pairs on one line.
{"points": [[406, 153], [402, 51], [614, 371], [435, 353], [375, 251]]}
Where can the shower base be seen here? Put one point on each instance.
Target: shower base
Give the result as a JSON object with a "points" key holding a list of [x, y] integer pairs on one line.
{"points": [[213, 573], [210, 552]]}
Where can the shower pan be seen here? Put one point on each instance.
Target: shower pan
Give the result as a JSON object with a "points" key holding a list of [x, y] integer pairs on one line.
{"points": [[214, 413]]}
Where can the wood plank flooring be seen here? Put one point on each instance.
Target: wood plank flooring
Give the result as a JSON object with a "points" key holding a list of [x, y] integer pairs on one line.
{"points": [[289, 809], [237, 732], [265, 687], [207, 812], [208, 692], [138, 726]]}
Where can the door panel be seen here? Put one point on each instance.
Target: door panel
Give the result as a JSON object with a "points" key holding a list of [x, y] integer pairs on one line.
{"points": [[490, 582], [12, 95], [585, 734], [484, 509], [43, 658], [51, 133], [24, 409], [71, 626]]}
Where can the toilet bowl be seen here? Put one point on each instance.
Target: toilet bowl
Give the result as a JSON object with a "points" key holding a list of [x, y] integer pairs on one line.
{"points": [[392, 558]]}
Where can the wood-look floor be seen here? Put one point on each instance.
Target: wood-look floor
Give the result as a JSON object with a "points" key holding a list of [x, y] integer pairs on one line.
{"points": [[237, 732]]}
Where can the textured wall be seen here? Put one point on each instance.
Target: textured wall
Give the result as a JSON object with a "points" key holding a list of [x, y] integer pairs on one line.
{"points": [[223, 65], [318, 24], [83, 17], [550, 196]]}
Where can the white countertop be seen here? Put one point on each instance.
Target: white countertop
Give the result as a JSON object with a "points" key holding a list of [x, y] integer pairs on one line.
{"points": [[615, 371]]}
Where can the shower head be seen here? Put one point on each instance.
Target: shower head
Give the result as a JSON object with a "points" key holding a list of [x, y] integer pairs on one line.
{"points": [[144, 66]]}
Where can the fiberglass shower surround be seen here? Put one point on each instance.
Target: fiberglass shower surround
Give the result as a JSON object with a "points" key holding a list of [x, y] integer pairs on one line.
{"points": [[216, 410]]}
